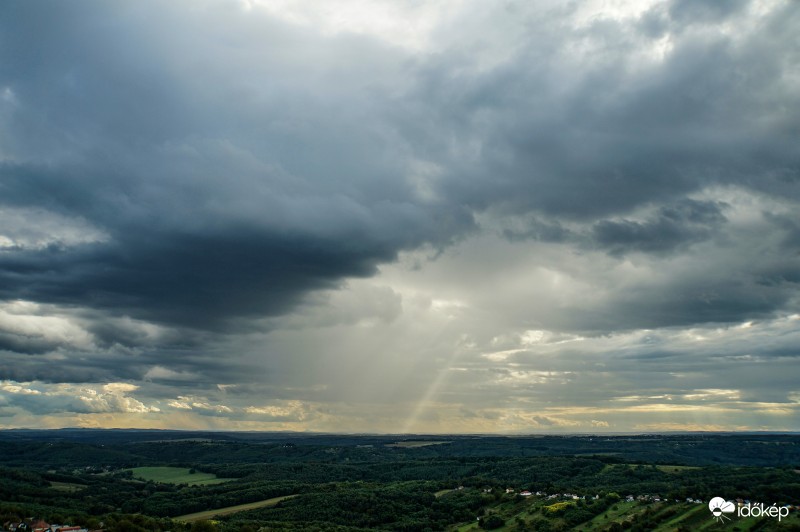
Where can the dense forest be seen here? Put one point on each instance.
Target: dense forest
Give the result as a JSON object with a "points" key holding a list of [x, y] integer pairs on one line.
{"points": [[110, 480]]}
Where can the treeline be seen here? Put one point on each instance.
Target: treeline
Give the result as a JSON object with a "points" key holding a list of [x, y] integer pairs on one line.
{"points": [[122, 448]]}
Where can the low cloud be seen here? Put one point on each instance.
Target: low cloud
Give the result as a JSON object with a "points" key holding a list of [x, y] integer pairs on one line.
{"points": [[46, 399], [674, 226]]}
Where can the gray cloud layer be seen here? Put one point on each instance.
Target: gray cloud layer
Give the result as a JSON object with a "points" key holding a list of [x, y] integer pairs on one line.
{"points": [[175, 178]]}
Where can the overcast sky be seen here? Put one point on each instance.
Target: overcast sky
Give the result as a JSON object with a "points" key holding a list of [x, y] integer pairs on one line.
{"points": [[400, 216]]}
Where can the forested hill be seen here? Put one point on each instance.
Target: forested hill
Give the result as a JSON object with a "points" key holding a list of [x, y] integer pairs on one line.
{"points": [[123, 480], [130, 447]]}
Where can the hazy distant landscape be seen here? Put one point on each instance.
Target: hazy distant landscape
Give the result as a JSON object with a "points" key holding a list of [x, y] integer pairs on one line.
{"points": [[170, 480]]}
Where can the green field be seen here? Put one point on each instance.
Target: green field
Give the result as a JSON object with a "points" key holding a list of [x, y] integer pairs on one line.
{"points": [[208, 514], [66, 486], [176, 475]]}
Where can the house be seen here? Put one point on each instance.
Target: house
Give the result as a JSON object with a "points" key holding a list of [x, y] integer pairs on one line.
{"points": [[525, 493], [509, 490], [39, 526]]}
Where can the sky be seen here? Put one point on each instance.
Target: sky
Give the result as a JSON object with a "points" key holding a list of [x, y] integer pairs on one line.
{"points": [[400, 216]]}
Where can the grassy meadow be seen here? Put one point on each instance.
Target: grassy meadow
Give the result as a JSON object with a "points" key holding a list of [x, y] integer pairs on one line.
{"points": [[176, 475], [208, 514]]}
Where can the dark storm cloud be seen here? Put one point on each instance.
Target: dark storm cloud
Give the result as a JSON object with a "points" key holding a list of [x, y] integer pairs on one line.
{"points": [[187, 367], [671, 228], [791, 228], [19, 368], [26, 344], [190, 279], [678, 225], [224, 194], [688, 298]]}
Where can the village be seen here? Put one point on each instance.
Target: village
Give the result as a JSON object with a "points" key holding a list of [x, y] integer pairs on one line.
{"points": [[32, 524], [575, 497], [740, 503]]}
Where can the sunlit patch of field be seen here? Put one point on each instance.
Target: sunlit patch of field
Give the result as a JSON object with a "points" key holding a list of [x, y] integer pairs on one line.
{"points": [[675, 468], [595, 453], [66, 486], [615, 512], [469, 526], [177, 440], [208, 514], [177, 475]]}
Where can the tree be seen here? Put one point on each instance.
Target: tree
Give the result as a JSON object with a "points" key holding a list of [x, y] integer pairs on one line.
{"points": [[203, 526], [492, 522]]}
